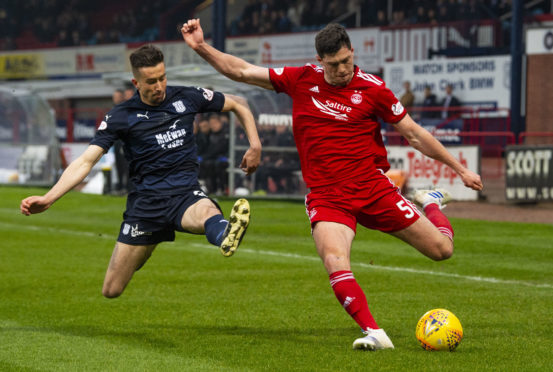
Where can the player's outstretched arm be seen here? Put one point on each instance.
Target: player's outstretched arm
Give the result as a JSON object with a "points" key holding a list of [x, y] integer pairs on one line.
{"points": [[74, 174], [232, 67], [423, 141], [240, 107]]}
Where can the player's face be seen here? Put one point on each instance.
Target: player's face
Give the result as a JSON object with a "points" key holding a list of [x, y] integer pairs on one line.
{"points": [[151, 82], [338, 68]]}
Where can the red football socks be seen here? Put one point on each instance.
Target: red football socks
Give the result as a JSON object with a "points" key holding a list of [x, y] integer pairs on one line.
{"points": [[438, 219], [352, 298]]}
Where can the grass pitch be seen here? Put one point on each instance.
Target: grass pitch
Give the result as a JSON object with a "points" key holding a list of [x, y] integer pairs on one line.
{"points": [[270, 306]]}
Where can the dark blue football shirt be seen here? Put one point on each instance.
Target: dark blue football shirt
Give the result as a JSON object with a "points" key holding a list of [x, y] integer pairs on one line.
{"points": [[159, 140]]}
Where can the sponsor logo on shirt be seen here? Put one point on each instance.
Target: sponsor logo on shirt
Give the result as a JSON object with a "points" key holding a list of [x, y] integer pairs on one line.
{"points": [[331, 108], [179, 106], [397, 108], [171, 138]]}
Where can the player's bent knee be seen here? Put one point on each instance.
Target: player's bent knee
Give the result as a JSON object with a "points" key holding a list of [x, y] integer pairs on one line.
{"points": [[443, 251]]}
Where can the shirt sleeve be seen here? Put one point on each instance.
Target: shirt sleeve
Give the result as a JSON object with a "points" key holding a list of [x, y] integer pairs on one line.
{"points": [[106, 134], [207, 100], [388, 106], [285, 78]]}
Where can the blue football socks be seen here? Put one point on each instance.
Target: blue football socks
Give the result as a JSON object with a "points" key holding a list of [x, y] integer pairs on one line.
{"points": [[214, 229]]}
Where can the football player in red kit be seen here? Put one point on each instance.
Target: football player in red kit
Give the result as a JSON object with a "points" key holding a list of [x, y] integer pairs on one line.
{"points": [[336, 107]]}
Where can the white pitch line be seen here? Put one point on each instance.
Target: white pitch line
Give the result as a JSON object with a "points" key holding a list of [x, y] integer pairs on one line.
{"points": [[56, 230], [393, 268], [297, 256]]}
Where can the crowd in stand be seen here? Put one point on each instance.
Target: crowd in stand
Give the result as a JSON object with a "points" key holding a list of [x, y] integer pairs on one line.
{"points": [[270, 16], [58, 23], [52, 23]]}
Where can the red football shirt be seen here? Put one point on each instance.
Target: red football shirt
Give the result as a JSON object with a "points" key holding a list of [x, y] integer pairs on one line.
{"points": [[336, 129]]}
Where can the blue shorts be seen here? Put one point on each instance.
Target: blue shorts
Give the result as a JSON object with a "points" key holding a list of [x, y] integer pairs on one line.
{"points": [[153, 218]]}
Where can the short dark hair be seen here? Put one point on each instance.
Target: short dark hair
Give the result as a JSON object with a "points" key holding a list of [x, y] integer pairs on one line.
{"points": [[146, 56], [331, 39]]}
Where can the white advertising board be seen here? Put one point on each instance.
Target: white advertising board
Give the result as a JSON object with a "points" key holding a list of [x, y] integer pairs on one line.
{"points": [[282, 50], [84, 60], [476, 81], [176, 53], [246, 48], [423, 172], [539, 41]]}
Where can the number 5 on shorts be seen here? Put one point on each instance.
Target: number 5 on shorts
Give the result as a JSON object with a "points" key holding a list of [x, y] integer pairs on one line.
{"points": [[406, 208]]}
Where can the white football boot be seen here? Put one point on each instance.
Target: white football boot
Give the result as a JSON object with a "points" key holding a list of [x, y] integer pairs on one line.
{"points": [[237, 225], [375, 339], [437, 196]]}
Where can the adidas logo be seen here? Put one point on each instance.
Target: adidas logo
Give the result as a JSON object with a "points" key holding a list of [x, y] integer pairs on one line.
{"points": [[315, 89], [348, 301]]}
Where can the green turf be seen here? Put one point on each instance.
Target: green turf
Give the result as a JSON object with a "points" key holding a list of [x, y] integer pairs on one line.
{"points": [[269, 307]]}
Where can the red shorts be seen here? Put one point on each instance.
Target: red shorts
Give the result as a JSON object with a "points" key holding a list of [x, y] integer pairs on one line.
{"points": [[374, 203]]}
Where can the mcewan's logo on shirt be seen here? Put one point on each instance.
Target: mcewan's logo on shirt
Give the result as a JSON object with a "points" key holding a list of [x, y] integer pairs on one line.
{"points": [[172, 138], [332, 108]]}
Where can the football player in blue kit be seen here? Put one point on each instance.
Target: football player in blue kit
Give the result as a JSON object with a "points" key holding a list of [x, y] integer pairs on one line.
{"points": [[156, 127]]}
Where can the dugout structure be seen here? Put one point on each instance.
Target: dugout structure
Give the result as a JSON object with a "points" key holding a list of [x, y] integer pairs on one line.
{"points": [[29, 149]]}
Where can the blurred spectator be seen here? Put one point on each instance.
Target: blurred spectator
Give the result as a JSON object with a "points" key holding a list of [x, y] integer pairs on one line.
{"points": [[398, 18], [215, 158], [419, 16], [121, 164], [381, 18], [429, 104], [117, 96], [202, 138], [294, 13], [276, 173], [407, 98], [449, 102], [432, 19], [63, 39], [129, 92]]}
